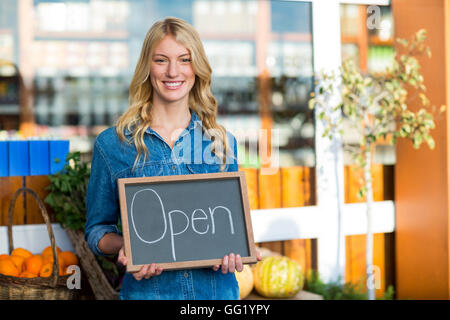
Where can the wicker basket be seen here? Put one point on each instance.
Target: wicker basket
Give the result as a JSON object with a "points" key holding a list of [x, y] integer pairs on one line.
{"points": [[100, 285], [39, 288]]}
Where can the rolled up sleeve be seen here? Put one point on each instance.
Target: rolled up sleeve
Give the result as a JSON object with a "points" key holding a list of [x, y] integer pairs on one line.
{"points": [[102, 207]]}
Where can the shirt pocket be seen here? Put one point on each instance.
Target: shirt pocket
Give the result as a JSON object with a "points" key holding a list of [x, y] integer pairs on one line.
{"points": [[149, 170], [153, 170], [195, 168]]}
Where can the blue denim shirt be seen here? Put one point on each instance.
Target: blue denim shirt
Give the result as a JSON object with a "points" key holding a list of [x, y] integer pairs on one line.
{"points": [[112, 160]]}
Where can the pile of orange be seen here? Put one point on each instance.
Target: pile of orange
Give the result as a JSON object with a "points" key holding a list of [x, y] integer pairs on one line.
{"points": [[22, 263]]}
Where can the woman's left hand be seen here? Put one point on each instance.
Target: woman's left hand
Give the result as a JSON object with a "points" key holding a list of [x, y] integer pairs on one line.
{"points": [[230, 263]]}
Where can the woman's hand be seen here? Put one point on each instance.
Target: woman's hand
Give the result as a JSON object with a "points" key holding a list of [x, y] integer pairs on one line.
{"points": [[232, 262], [146, 271]]}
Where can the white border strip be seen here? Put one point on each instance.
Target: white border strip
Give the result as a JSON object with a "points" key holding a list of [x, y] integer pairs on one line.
{"points": [[366, 2], [363, 2]]}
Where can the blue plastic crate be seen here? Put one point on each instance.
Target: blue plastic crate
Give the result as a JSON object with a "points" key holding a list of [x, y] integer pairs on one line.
{"points": [[19, 156], [39, 157], [4, 159], [58, 153]]}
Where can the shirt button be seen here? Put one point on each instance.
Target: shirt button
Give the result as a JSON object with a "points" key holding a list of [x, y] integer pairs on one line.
{"points": [[174, 167], [186, 275]]}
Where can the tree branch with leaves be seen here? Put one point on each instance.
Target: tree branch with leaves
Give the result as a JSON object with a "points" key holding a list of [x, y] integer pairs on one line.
{"points": [[378, 107]]}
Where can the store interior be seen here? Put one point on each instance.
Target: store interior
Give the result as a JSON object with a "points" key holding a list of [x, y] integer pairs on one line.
{"points": [[65, 66]]}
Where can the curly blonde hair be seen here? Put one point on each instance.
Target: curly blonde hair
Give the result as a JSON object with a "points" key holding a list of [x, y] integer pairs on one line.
{"points": [[137, 118]]}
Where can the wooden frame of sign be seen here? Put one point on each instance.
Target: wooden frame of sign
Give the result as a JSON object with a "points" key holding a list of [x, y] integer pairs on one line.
{"points": [[242, 229]]}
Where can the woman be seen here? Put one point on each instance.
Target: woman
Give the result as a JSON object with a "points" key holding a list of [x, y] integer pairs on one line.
{"points": [[170, 103]]}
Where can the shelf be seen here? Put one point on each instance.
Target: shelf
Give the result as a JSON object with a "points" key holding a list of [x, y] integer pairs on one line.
{"points": [[375, 40], [10, 109], [350, 39], [83, 36], [287, 36]]}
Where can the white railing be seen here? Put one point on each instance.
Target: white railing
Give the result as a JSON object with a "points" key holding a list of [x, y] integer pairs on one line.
{"points": [[307, 222], [268, 225]]}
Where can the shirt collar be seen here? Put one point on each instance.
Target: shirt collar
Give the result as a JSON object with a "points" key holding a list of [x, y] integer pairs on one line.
{"points": [[195, 121]]}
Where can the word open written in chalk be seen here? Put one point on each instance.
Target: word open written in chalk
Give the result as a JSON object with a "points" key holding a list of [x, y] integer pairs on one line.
{"points": [[192, 221]]}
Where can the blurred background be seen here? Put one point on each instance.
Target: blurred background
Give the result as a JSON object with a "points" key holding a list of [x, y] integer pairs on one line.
{"points": [[65, 69], [66, 65]]}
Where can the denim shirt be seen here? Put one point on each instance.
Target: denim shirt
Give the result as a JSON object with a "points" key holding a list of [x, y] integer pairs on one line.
{"points": [[113, 159]]}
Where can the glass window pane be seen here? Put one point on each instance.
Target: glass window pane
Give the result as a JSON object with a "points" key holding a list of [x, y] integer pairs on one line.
{"points": [[81, 56]]}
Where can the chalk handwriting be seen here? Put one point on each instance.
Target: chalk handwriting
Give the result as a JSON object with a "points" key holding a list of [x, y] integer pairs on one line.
{"points": [[197, 214]]}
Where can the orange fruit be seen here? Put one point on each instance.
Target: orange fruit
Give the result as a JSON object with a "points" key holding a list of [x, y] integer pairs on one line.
{"points": [[69, 258], [4, 256], [27, 274], [48, 258], [18, 261], [33, 264], [21, 252], [62, 271], [49, 250], [8, 268], [46, 270]]}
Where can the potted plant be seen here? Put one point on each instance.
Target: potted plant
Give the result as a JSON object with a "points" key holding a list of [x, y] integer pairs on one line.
{"points": [[377, 106]]}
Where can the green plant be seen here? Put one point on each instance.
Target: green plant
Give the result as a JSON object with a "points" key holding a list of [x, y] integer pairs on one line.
{"points": [[67, 195], [389, 294], [333, 290], [67, 198], [340, 291]]}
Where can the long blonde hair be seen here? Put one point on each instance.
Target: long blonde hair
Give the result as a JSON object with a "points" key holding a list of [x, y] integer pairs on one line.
{"points": [[137, 119]]}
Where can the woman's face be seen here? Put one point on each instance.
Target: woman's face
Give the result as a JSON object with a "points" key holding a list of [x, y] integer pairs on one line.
{"points": [[171, 72]]}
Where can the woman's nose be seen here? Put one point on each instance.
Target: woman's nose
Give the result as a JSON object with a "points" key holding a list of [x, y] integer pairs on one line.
{"points": [[172, 70]]}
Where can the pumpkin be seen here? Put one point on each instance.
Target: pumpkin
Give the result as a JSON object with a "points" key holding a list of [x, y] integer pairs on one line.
{"points": [[245, 281], [277, 277], [264, 252]]}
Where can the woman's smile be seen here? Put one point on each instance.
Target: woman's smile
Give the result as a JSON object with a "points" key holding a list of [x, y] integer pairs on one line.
{"points": [[171, 72], [173, 85]]}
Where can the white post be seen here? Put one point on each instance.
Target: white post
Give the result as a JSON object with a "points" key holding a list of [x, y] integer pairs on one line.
{"points": [[329, 158]]}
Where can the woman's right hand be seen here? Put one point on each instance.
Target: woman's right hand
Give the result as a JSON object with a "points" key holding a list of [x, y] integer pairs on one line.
{"points": [[146, 271]]}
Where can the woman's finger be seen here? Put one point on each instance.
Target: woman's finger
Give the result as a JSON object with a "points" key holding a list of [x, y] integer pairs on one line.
{"points": [[239, 264], [216, 267], [231, 263], [225, 264], [151, 271], [258, 255], [159, 270], [141, 273]]}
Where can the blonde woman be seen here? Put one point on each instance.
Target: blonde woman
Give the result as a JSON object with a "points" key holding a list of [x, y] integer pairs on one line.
{"points": [[170, 102]]}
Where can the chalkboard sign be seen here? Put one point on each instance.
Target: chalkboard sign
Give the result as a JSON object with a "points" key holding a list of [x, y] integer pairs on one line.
{"points": [[185, 221]]}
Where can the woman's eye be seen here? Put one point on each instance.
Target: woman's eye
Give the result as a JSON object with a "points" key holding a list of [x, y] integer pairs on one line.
{"points": [[160, 60], [186, 60]]}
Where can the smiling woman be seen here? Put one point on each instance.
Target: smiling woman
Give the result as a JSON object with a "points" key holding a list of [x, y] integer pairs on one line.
{"points": [[171, 72], [172, 52], [170, 103]]}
